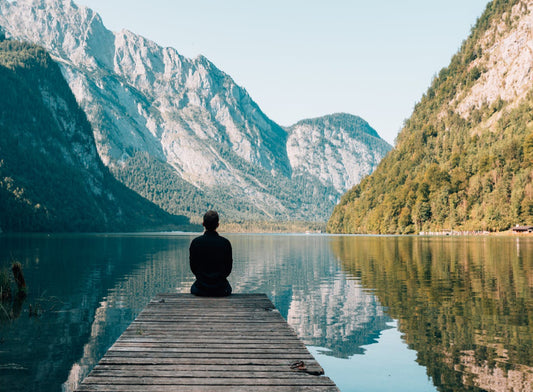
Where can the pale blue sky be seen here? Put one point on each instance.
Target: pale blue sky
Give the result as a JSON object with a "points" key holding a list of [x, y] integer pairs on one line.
{"points": [[300, 59]]}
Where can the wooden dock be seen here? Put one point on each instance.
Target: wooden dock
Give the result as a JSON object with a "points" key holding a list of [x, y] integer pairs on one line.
{"points": [[180, 342]]}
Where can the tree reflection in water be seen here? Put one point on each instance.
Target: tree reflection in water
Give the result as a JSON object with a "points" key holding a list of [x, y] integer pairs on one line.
{"points": [[464, 304]]}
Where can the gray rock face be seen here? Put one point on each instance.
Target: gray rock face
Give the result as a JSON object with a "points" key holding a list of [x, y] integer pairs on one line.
{"points": [[339, 149], [190, 116]]}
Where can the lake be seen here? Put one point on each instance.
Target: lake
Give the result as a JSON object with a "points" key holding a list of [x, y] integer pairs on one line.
{"points": [[380, 313]]}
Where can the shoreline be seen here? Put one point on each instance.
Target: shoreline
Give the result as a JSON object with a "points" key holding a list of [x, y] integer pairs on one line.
{"points": [[506, 233]]}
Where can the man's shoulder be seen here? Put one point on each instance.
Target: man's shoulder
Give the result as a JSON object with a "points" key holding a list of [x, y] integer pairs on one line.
{"points": [[224, 239], [210, 238], [197, 240], [207, 237], [219, 239]]}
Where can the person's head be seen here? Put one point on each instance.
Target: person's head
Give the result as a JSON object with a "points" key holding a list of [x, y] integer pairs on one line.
{"points": [[211, 220]]}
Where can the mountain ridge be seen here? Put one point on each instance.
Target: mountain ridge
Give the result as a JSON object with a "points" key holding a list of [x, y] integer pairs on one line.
{"points": [[337, 118], [190, 118], [333, 133]]}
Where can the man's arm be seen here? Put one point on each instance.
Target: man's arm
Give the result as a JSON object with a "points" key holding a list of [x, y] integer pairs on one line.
{"points": [[228, 262], [193, 257]]}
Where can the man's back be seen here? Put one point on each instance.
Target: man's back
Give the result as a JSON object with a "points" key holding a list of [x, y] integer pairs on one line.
{"points": [[211, 262]]}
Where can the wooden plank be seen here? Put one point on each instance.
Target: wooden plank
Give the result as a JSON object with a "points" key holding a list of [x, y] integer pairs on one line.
{"points": [[252, 333], [212, 330], [295, 381], [191, 371], [226, 325], [215, 314], [109, 360], [250, 330], [278, 354], [173, 329], [203, 336], [213, 322], [218, 315], [201, 347], [198, 342], [220, 349], [217, 349], [228, 356], [184, 343], [203, 388], [283, 368]]}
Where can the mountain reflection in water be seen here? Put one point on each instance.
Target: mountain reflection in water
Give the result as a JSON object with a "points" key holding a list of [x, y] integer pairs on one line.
{"points": [[464, 305]]}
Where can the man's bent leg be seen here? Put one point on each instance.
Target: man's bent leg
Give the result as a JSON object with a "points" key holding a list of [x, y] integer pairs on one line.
{"points": [[195, 290], [198, 290]]}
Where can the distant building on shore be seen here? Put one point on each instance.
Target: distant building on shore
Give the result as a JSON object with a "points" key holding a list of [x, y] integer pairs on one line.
{"points": [[523, 229]]}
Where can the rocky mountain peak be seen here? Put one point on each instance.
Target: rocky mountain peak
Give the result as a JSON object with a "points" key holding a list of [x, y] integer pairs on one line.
{"points": [[149, 105], [503, 58], [319, 146], [64, 29]]}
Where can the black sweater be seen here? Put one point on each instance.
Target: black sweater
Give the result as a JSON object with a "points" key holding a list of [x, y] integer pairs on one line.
{"points": [[211, 260]]}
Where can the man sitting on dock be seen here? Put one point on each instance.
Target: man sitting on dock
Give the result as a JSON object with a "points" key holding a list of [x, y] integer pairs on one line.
{"points": [[211, 260]]}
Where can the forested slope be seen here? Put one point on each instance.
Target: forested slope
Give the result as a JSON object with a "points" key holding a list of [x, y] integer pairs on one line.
{"points": [[51, 177], [464, 160]]}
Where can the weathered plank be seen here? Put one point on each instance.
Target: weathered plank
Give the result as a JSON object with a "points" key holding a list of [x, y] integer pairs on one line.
{"points": [[122, 380], [109, 360], [234, 348], [200, 342], [191, 372], [184, 343], [204, 388], [228, 356], [188, 368]]}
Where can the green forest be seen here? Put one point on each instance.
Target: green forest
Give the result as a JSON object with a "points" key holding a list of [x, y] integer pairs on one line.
{"points": [[51, 178], [158, 182], [448, 171]]}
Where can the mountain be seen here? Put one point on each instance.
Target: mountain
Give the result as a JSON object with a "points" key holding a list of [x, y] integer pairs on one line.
{"points": [[339, 149], [179, 131], [51, 177], [464, 160]]}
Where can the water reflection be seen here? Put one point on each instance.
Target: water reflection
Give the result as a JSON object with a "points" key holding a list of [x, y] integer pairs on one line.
{"points": [[69, 279], [464, 304], [299, 274], [385, 366], [90, 288]]}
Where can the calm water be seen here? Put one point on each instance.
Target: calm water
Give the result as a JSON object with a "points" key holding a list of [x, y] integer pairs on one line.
{"points": [[379, 313]]}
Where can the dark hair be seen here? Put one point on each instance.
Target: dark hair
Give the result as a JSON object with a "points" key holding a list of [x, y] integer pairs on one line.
{"points": [[211, 220]]}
